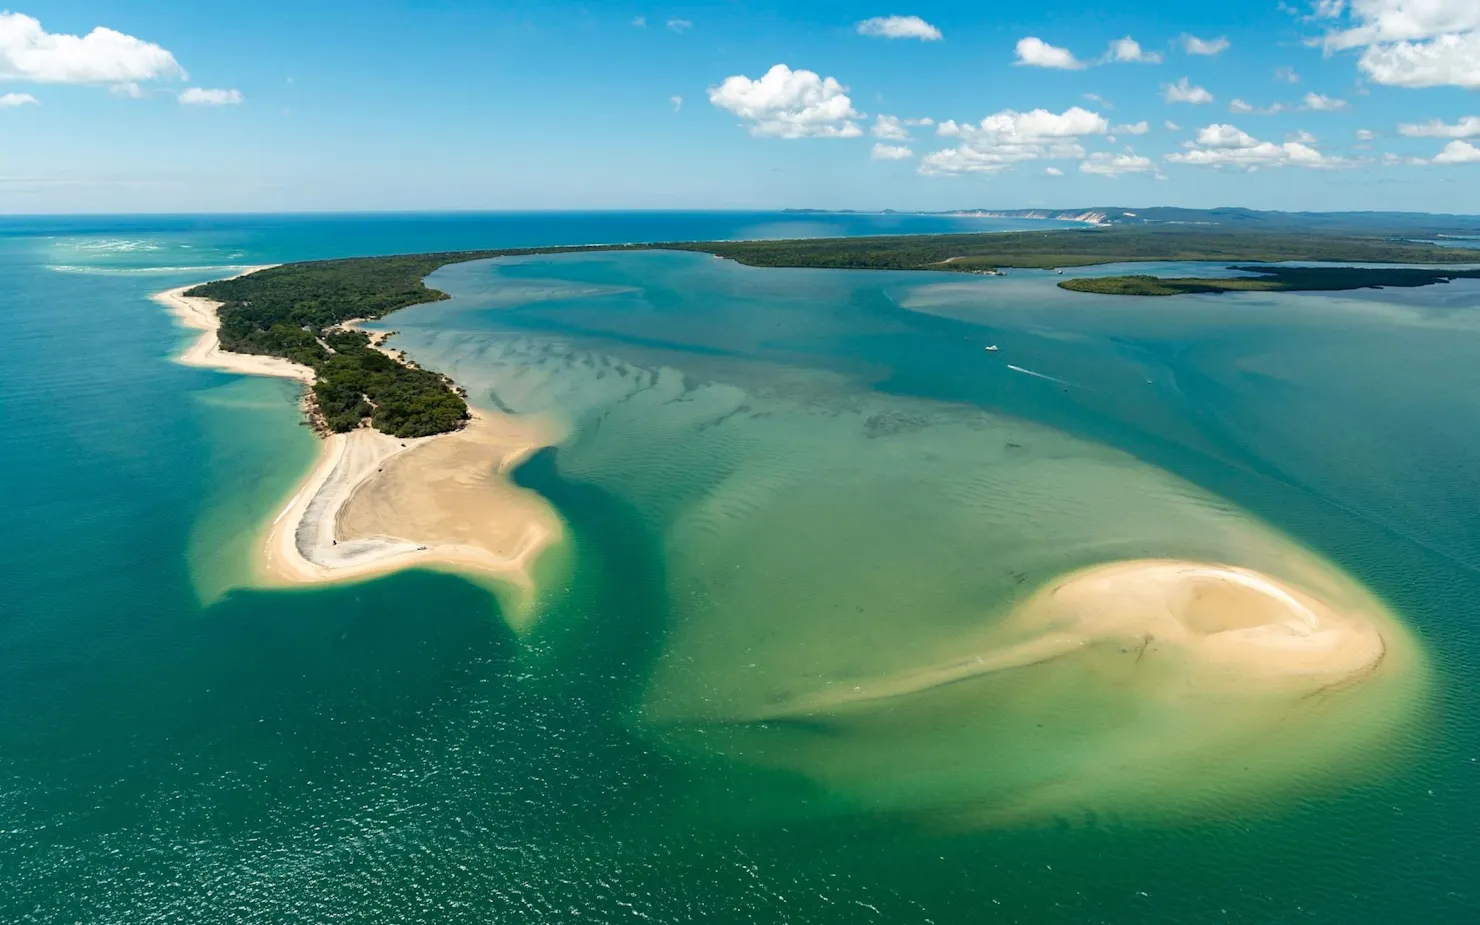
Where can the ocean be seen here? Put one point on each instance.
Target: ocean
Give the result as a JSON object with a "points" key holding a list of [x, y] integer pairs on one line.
{"points": [[770, 476]]}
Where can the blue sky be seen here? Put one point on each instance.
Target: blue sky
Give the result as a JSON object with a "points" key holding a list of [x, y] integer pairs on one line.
{"points": [[454, 104]]}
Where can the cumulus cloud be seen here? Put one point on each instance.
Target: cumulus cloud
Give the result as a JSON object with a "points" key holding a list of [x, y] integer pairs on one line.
{"points": [[1196, 46], [882, 152], [677, 102], [1113, 165], [1223, 145], [1130, 51], [894, 128], [1010, 137], [1097, 98], [1303, 137], [1240, 107], [1322, 103], [1132, 128], [1034, 52], [197, 96], [1458, 152], [680, 25], [899, 27], [1053, 171], [12, 100], [1287, 74], [789, 104], [1172, 126], [1365, 134], [1184, 92], [103, 56], [1467, 127], [1408, 43]]}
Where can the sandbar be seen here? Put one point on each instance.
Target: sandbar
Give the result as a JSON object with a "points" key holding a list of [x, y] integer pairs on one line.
{"points": [[373, 503], [1238, 632]]}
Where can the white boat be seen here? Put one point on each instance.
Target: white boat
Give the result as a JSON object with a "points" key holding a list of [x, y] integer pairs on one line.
{"points": [[992, 348]]}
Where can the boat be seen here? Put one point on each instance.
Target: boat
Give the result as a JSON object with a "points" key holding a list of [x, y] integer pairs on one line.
{"points": [[992, 348]]}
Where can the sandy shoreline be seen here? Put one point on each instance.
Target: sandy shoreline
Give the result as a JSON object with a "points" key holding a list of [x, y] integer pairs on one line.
{"points": [[373, 504], [206, 352]]}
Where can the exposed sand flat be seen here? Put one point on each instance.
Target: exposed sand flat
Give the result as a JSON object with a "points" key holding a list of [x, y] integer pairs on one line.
{"points": [[375, 504], [206, 352], [1239, 633]]}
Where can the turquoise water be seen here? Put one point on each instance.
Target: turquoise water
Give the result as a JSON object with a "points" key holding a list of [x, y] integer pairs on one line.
{"points": [[389, 752]]}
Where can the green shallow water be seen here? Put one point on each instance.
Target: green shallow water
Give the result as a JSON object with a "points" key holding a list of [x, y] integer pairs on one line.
{"points": [[771, 476]]}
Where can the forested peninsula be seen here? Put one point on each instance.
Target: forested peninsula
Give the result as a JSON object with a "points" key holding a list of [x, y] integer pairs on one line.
{"points": [[304, 312]]}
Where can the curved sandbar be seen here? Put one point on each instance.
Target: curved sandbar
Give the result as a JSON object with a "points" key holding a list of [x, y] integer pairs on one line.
{"points": [[374, 503], [1151, 689], [1228, 627]]}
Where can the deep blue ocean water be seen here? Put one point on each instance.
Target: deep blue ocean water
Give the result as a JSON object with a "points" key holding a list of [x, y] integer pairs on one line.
{"points": [[172, 750]]}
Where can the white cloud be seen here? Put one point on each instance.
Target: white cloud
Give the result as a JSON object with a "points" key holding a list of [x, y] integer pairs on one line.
{"points": [[894, 128], [1034, 52], [1097, 98], [103, 56], [1196, 46], [1288, 74], [1227, 146], [12, 100], [1130, 50], [1449, 60], [1053, 171], [899, 27], [1390, 160], [1113, 165], [1374, 22], [677, 102], [1458, 152], [1467, 127], [1171, 126], [789, 104], [1242, 108], [639, 22], [680, 25], [1184, 92], [1322, 103], [1133, 128], [196, 96], [890, 152], [1303, 137], [1365, 134], [131, 90], [1010, 137], [1409, 43]]}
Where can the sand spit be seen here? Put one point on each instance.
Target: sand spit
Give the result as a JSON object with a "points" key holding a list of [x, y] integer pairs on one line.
{"points": [[206, 352], [1239, 633], [374, 504]]}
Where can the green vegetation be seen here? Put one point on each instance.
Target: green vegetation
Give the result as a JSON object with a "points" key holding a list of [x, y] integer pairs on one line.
{"points": [[1048, 249], [300, 311], [1272, 279]]}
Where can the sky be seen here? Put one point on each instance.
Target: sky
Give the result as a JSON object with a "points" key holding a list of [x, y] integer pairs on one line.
{"points": [[383, 105]]}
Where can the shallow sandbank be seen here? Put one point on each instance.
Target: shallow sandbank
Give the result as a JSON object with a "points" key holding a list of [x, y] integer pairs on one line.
{"points": [[375, 503]]}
